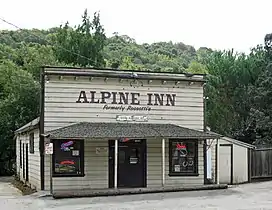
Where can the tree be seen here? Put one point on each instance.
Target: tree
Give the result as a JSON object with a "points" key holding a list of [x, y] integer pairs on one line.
{"points": [[197, 68], [82, 45], [19, 103]]}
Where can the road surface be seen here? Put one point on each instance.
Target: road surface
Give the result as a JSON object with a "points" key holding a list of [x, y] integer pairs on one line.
{"points": [[248, 196]]}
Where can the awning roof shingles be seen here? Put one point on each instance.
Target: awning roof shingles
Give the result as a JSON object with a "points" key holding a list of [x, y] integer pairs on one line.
{"points": [[128, 130]]}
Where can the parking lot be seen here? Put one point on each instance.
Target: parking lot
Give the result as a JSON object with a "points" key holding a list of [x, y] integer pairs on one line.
{"points": [[247, 196]]}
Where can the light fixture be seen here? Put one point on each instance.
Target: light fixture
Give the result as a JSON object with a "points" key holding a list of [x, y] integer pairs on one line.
{"points": [[121, 80], [177, 82], [190, 83], [91, 78], [75, 78], [163, 82], [106, 79], [60, 77], [150, 81]]}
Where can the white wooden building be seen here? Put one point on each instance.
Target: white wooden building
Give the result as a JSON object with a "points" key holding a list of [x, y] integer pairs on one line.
{"points": [[155, 120]]}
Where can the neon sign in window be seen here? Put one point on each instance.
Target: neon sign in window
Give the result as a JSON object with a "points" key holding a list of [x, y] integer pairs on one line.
{"points": [[66, 146]]}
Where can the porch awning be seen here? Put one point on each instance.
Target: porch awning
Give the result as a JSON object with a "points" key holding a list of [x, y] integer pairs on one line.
{"points": [[129, 130]]}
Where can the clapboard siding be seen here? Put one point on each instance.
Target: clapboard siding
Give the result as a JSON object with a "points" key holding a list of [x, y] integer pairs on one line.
{"points": [[96, 168], [17, 149], [61, 108], [33, 159], [34, 162]]}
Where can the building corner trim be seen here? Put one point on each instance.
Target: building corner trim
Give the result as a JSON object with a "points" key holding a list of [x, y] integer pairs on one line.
{"points": [[42, 80]]}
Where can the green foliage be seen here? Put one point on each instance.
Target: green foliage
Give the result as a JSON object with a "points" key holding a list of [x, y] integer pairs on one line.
{"points": [[82, 45], [19, 102], [197, 68], [161, 56], [231, 88]]}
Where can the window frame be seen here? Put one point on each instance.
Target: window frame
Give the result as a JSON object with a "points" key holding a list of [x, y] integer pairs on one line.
{"points": [[31, 143], [170, 154], [82, 161]]}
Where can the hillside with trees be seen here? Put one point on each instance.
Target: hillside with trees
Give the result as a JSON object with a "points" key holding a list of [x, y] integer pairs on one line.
{"points": [[239, 97]]}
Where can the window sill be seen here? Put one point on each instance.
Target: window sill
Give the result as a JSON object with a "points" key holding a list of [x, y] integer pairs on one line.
{"points": [[68, 175], [183, 174]]}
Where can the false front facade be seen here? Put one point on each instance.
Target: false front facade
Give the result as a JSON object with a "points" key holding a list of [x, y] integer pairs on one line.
{"points": [[115, 129]]}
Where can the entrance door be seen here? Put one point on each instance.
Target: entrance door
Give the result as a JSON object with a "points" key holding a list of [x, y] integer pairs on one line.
{"points": [[26, 162], [225, 164], [131, 164]]}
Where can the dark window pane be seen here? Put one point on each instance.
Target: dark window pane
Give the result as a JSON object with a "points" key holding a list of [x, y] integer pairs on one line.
{"points": [[31, 143], [122, 156], [68, 157], [183, 156]]}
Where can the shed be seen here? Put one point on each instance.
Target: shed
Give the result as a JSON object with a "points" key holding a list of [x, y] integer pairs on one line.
{"points": [[234, 161]]}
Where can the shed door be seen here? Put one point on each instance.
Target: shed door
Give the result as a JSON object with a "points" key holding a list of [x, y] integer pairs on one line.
{"points": [[225, 164]]}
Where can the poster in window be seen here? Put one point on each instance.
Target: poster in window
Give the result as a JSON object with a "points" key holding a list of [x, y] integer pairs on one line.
{"points": [[75, 152], [65, 166], [177, 168]]}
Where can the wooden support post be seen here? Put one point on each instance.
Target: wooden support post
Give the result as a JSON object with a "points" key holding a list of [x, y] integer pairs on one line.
{"points": [[163, 162], [116, 164]]}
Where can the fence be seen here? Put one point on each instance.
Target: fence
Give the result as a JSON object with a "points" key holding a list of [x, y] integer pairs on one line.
{"points": [[261, 163]]}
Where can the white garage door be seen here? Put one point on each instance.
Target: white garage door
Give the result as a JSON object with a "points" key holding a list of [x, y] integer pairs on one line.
{"points": [[225, 165]]}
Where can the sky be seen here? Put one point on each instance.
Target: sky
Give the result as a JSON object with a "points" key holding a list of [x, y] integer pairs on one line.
{"points": [[218, 24]]}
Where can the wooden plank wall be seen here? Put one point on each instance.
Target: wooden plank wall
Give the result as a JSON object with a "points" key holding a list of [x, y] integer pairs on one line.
{"points": [[261, 163]]}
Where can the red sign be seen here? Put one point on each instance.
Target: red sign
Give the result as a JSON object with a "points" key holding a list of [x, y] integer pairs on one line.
{"points": [[124, 139], [67, 162], [181, 146]]}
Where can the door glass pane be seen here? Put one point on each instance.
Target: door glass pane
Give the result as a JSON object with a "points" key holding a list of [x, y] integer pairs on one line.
{"points": [[121, 156], [134, 156]]}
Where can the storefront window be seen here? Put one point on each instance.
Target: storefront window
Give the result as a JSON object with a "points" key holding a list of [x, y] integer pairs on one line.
{"points": [[183, 157], [68, 158]]}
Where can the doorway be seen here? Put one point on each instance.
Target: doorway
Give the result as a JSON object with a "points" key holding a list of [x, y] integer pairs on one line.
{"points": [[226, 164], [23, 160], [26, 163], [131, 163]]}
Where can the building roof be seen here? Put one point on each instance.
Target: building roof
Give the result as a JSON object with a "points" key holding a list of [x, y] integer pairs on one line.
{"points": [[128, 130], [125, 74], [29, 126], [237, 142], [234, 141]]}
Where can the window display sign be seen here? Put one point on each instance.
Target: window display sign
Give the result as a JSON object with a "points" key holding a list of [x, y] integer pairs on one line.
{"points": [[182, 149], [49, 149], [66, 146]]}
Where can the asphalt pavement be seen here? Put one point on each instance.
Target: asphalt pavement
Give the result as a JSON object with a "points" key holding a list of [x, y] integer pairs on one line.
{"points": [[247, 196]]}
